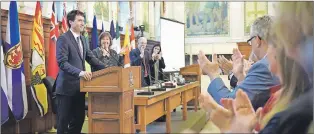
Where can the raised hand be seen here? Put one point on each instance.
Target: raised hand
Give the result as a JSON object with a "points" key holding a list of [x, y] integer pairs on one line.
{"points": [[159, 56], [245, 117], [222, 116], [207, 102], [209, 68], [105, 53], [238, 64], [214, 58], [225, 64], [154, 56]]}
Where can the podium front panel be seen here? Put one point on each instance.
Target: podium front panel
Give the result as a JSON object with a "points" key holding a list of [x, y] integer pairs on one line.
{"points": [[111, 101], [106, 126]]}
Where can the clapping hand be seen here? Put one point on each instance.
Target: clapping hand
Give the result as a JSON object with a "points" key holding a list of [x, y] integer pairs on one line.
{"points": [[154, 56], [105, 52], [222, 116], [225, 64], [207, 102], [209, 68], [238, 64], [245, 116], [159, 55]]}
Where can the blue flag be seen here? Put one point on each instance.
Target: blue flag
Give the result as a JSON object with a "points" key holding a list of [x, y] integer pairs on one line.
{"points": [[4, 90], [112, 31], [17, 97], [94, 43]]}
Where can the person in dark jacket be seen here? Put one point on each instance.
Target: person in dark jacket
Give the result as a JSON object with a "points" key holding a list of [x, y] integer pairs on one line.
{"points": [[140, 57], [156, 64]]}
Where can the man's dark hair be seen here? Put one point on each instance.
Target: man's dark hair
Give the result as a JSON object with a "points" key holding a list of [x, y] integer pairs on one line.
{"points": [[72, 14]]}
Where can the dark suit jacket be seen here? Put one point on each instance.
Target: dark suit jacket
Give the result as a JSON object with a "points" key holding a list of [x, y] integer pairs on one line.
{"points": [[161, 66], [136, 60], [71, 63], [258, 79]]}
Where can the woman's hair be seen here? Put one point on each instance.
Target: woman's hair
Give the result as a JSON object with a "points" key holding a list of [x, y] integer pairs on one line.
{"points": [[103, 35], [294, 82], [293, 22], [157, 45]]}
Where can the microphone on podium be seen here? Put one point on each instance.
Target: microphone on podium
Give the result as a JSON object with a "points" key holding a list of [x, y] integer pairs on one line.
{"points": [[149, 92]]}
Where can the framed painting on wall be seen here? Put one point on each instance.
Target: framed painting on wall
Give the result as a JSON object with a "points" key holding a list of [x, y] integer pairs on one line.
{"points": [[207, 18], [253, 10]]}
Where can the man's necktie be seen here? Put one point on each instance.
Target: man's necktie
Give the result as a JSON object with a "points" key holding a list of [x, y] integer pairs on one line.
{"points": [[79, 45], [145, 75]]}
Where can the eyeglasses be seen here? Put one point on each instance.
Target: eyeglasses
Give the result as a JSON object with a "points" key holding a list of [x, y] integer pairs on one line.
{"points": [[249, 40]]}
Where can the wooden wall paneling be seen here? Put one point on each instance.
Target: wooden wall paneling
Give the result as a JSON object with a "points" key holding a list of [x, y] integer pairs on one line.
{"points": [[245, 49]]}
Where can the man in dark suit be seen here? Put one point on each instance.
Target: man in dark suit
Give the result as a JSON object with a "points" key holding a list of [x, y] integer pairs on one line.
{"points": [[139, 57], [72, 51]]}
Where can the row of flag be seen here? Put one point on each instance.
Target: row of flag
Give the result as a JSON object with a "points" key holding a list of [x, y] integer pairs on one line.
{"points": [[13, 87]]}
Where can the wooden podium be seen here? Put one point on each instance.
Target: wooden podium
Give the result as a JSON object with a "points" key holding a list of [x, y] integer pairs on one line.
{"points": [[111, 99], [192, 73]]}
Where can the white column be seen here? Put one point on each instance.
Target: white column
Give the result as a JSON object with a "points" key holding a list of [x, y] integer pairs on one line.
{"points": [[157, 21]]}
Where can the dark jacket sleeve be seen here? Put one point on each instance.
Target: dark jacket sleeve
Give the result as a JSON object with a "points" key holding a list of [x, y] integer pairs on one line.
{"points": [[121, 60], [96, 54], [136, 60], [62, 57], [116, 57], [151, 63], [91, 58], [162, 63]]}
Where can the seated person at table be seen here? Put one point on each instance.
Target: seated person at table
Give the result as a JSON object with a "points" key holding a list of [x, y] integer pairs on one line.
{"points": [[103, 52], [258, 79], [139, 57], [156, 64]]}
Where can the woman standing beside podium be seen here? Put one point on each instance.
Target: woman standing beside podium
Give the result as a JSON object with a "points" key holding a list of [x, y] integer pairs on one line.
{"points": [[103, 52]]}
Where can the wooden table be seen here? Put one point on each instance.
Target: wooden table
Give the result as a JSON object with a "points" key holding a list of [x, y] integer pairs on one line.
{"points": [[152, 107]]}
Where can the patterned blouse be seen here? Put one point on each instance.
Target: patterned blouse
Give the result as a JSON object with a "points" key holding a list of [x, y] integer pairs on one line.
{"points": [[113, 60]]}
